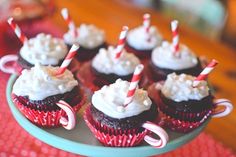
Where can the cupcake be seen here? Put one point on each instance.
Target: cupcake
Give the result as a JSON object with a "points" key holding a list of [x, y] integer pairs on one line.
{"points": [[89, 37], [43, 49], [105, 69], [183, 106], [143, 39], [164, 61], [47, 99], [116, 125]]}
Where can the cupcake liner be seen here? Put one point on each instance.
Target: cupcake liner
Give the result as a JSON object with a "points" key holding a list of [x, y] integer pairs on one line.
{"points": [[114, 138], [189, 116], [45, 118], [181, 126]]}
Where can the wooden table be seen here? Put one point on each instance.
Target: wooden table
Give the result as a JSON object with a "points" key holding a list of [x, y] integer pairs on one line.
{"points": [[112, 15]]}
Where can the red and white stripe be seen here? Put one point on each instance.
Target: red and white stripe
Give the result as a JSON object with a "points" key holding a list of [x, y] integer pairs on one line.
{"points": [[146, 22], [133, 84], [121, 42], [17, 30], [68, 123], [175, 33], [158, 143], [68, 59], [203, 75], [65, 14]]}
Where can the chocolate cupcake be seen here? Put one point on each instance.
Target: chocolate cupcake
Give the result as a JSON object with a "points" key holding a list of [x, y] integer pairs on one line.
{"points": [[43, 49], [47, 99], [118, 125], [184, 107], [105, 69], [90, 39], [164, 61], [142, 43]]}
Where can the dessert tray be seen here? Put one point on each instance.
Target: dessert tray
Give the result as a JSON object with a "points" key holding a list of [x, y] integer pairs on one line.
{"points": [[81, 141]]}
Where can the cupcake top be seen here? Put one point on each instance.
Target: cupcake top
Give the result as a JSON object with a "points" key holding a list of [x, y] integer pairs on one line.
{"points": [[179, 88], [89, 36], [105, 62], [41, 82], [138, 38], [44, 49], [164, 57], [110, 100]]}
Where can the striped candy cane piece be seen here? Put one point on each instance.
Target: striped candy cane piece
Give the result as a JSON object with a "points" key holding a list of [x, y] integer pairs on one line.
{"points": [[221, 112], [121, 42], [65, 14], [70, 123], [175, 33], [203, 75], [17, 30], [68, 59], [158, 143], [133, 84]]}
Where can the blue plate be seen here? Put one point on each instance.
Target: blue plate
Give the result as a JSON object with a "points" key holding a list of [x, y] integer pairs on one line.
{"points": [[81, 141]]}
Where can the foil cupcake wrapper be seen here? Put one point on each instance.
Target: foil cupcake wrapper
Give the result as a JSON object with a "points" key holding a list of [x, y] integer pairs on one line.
{"points": [[45, 118], [184, 116], [181, 126], [111, 137]]}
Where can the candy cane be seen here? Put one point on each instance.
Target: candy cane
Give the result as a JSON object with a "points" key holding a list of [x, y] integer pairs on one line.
{"points": [[70, 123], [17, 30], [203, 75], [133, 84], [175, 33], [65, 14], [68, 59], [121, 42], [160, 143]]}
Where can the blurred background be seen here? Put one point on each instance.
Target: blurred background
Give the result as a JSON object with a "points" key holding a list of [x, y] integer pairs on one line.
{"points": [[214, 19]]}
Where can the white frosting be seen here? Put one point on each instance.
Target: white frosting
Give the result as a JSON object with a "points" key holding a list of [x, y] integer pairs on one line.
{"points": [[105, 62], [40, 82], [110, 99], [44, 49], [179, 88], [89, 36], [138, 38], [164, 57]]}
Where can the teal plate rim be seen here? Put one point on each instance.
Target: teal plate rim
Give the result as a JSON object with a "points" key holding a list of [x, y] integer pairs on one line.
{"points": [[92, 150]]}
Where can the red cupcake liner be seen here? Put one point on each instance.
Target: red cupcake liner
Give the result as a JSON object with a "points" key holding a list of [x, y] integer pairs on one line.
{"points": [[111, 137], [181, 126], [45, 118], [191, 116]]}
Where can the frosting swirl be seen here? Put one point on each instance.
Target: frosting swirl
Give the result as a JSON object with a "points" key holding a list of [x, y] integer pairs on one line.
{"points": [[41, 82], [43, 49], [179, 88], [105, 62], [109, 100], [164, 57], [138, 38], [89, 36]]}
